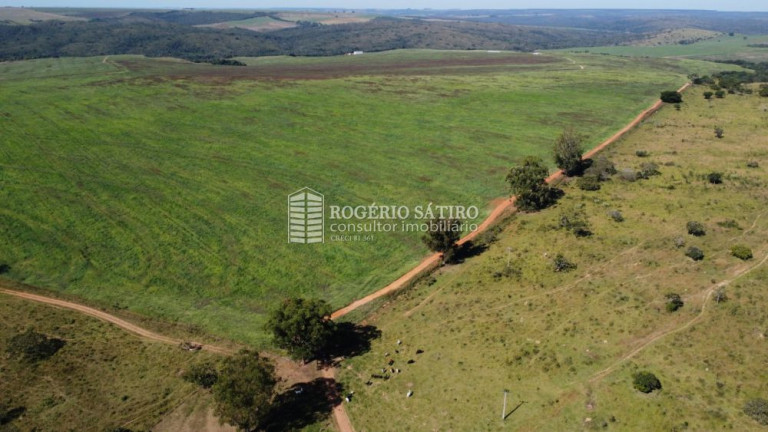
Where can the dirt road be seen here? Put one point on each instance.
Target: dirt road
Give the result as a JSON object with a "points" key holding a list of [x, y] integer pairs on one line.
{"points": [[507, 205], [104, 316]]}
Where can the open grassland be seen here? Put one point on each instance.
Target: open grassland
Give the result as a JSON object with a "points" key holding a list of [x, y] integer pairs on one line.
{"points": [[13, 15], [160, 186], [566, 344], [101, 379], [723, 47], [677, 36]]}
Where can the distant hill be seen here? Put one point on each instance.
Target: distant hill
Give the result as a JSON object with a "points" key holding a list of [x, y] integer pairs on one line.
{"points": [[13, 15], [152, 38]]}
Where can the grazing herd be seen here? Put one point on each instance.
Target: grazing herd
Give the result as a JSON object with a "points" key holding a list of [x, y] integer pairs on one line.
{"points": [[390, 370]]}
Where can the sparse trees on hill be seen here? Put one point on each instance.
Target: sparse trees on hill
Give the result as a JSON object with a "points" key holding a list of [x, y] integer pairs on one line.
{"points": [[244, 390], [302, 327], [568, 151]]}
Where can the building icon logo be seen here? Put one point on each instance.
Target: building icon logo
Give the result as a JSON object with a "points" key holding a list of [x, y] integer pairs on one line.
{"points": [[306, 215]]}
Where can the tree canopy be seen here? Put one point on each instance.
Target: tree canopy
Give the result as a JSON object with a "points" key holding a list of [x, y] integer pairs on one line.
{"points": [[302, 327], [244, 390]]}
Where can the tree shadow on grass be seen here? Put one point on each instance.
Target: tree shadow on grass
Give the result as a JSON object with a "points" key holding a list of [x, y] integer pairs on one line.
{"points": [[304, 404], [468, 250], [352, 340]]}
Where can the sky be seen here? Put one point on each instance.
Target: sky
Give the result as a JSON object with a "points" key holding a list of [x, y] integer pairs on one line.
{"points": [[723, 5]]}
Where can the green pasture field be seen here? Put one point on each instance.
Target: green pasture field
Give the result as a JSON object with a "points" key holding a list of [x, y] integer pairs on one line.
{"points": [[161, 186], [565, 345], [719, 48], [103, 377]]}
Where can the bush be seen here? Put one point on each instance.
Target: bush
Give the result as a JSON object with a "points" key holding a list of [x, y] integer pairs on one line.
{"points": [[720, 94], [679, 242], [758, 410], [741, 252], [203, 374], [561, 264], [719, 132], [4, 268], [646, 382], [695, 228], [602, 168], [538, 198], [674, 302], [715, 177], [763, 90], [641, 153], [752, 164], [617, 216], [588, 183], [671, 96], [628, 175], [567, 152], [694, 253], [575, 221], [648, 170], [708, 95], [32, 346]]}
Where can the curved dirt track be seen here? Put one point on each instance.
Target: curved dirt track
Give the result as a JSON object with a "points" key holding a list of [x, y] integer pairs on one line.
{"points": [[339, 413], [104, 316], [507, 205]]}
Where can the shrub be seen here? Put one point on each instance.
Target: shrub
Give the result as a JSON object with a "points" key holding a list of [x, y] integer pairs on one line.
{"points": [[763, 90], [679, 242], [589, 183], [752, 164], [575, 221], [203, 374], [540, 197], [617, 216], [671, 96], [694, 253], [32, 346], [4, 268], [648, 170], [719, 132], [561, 264], [715, 177], [567, 152], [708, 95], [602, 168], [695, 228], [720, 94], [646, 382], [674, 302], [758, 410], [628, 175], [741, 252], [729, 223], [719, 295], [641, 153]]}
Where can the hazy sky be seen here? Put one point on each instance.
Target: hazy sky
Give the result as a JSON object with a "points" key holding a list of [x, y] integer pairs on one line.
{"points": [[734, 5]]}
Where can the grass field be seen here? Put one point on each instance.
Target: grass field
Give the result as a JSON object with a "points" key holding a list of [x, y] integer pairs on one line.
{"points": [[719, 48], [101, 379], [160, 186], [13, 15], [566, 344]]}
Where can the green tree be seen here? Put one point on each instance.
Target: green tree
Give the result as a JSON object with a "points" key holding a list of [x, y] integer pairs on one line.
{"points": [[527, 181], [671, 96], [302, 327], [442, 237], [646, 382], [528, 176], [245, 390], [568, 151], [203, 374]]}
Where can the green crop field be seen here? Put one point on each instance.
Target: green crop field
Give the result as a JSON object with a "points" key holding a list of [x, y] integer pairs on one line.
{"points": [[102, 378], [723, 47], [161, 186], [565, 344]]}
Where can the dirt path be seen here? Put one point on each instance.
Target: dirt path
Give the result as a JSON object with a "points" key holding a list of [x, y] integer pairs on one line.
{"points": [[104, 316], [707, 294], [339, 413], [507, 205]]}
